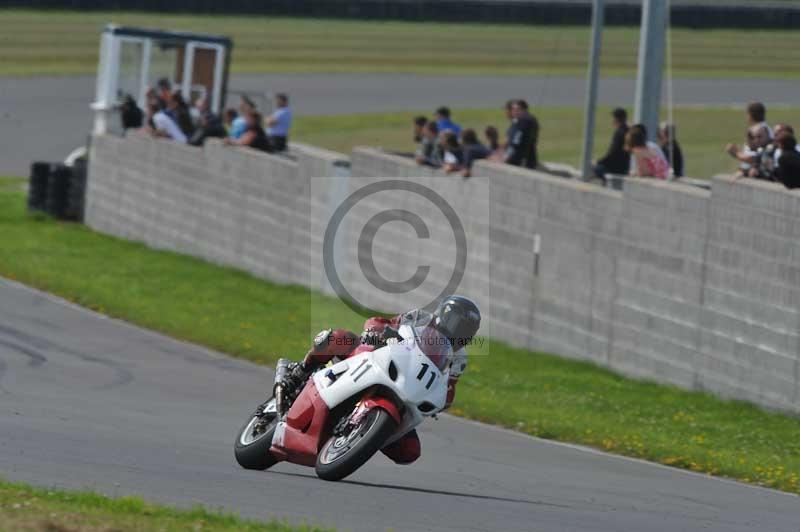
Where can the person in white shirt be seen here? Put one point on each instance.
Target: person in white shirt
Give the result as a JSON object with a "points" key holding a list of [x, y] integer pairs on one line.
{"points": [[756, 124], [279, 123], [161, 125]]}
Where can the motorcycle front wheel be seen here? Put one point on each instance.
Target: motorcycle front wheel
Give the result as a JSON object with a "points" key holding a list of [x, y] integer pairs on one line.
{"points": [[255, 438], [341, 455]]}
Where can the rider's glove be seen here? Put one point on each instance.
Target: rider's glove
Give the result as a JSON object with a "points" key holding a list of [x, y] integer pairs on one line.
{"points": [[297, 374]]}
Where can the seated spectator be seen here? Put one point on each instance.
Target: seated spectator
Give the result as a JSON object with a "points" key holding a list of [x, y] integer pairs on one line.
{"points": [[788, 169], [616, 160], [492, 138], [756, 119], [428, 152], [179, 112], [130, 114], [523, 136], [472, 150], [208, 123], [671, 148], [778, 129], [160, 124], [443, 121], [759, 162], [649, 161], [239, 124], [453, 156], [163, 92], [419, 126], [254, 135], [228, 117], [279, 123]]}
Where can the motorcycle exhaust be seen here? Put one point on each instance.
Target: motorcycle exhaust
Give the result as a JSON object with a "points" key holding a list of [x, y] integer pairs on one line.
{"points": [[281, 370]]}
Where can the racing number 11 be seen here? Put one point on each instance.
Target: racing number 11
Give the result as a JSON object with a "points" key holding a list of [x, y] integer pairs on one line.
{"points": [[421, 375]]}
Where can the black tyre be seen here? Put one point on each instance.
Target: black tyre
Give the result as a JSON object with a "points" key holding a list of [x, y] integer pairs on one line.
{"points": [[254, 439], [342, 455]]}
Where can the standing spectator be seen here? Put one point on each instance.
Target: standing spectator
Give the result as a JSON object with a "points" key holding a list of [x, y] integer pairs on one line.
{"points": [[472, 150], [616, 160], [756, 117], [419, 127], [239, 124], [788, 170], [254, 135], [208, 123], [443, 121], [160, 124], [650, 162], [428, 152], [672, 150], [279, 123], [179, 112], [523, 135], [760, 162]]}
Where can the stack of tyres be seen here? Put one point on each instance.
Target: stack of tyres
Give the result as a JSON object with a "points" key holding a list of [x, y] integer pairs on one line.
{"points": [[57, 187], [37, 187], [76, 192]]}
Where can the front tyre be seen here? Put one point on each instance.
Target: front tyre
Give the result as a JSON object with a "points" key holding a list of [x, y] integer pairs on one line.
{"points": [[342, 454], [255, 438]]}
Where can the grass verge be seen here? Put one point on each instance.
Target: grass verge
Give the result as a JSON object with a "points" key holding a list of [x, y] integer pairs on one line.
{"points": [[702, 132], [535, 393], [53, 42], [24, 508]]}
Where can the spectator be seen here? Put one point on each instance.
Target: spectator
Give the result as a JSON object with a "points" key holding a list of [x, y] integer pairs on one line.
{"points": [[254, 135], [778, 129], [228, 117], [788, 169], [759, 164], [523, 136], [419, 126], [239, 124], [453, 156], [650, 162], [428, 152], [179, 112], [756, 116], [443, 121], [279, 123], [163, 92], [616, 160], [160, 124], [130, 114], [208, 123], [493, 139], [671, 148], [471, 150]]}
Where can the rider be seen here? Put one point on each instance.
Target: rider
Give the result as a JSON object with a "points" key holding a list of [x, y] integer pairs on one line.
{"points": [[456, 317]]}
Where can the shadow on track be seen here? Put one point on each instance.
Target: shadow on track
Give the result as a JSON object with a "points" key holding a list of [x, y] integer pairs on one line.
{"points": [[427, 491]]}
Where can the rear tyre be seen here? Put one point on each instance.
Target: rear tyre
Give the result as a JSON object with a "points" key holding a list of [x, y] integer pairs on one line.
{"points": [[342, 455], [254, 439]]}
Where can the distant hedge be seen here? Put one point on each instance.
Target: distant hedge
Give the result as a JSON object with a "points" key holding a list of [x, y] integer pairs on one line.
{"points": [[498, 11]]}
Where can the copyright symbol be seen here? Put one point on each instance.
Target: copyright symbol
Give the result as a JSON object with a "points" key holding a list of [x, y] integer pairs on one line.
{"points": [[366, 241]]}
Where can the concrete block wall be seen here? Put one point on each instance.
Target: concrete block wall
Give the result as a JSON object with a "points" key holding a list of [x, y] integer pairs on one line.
{"points": [[666, 281]]}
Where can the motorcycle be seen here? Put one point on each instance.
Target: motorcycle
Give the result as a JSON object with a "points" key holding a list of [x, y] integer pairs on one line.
{"points": [[347, 411]]}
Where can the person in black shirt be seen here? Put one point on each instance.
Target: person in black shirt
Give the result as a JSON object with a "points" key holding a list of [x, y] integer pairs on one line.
{"points": [[672, 150], [254, 135], [523, 136], [788, 170], [616, 160]]}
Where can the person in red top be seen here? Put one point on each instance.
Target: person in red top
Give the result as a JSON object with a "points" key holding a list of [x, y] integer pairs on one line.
{"points": [[456, 317]]}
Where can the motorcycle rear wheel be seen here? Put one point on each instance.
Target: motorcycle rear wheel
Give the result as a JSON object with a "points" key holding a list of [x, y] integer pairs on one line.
{"points": [[254, 439], [340, 456]]}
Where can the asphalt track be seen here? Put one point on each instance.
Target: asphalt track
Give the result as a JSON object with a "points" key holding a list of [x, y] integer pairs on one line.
{"points": [[46, 118], [91, 402]]}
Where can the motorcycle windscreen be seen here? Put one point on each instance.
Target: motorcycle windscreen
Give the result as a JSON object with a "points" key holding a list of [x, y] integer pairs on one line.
{"points": [[434, 344]]}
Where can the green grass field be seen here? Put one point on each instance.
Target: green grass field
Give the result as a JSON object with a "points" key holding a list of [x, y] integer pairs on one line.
{"points": [[703, 133], [535, 393], [56, 42], [23, 508]]}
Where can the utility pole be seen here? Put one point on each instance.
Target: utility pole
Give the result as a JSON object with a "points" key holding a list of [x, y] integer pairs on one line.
{"points": [[652, 40], [591, 88]]}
